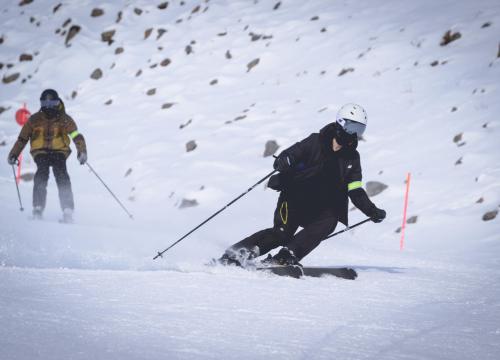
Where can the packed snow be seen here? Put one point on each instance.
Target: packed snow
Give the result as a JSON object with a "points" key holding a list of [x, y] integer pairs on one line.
{"points": [[92, 289]]}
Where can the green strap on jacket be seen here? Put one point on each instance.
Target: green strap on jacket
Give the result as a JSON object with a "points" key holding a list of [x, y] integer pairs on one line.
{"points": [[74, 134], [354, 185]]}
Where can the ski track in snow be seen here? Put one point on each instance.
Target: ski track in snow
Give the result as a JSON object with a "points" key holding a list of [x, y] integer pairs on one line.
{"points": [[92, 290]]}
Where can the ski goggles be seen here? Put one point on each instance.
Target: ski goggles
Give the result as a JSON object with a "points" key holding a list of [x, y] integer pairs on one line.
{"points": [[353, 127], [50, 103]]}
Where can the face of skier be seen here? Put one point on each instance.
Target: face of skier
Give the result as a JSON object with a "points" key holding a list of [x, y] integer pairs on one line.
{"points": [[335, 145]]}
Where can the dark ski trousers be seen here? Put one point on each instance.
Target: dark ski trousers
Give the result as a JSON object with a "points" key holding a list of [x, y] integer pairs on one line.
{"points": [[289, 215], [57, 161]]}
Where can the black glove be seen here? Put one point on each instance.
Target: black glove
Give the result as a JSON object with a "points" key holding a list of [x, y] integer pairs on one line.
{"points": [[283, 163], [12, 160], [82, 157], [377, 215]]}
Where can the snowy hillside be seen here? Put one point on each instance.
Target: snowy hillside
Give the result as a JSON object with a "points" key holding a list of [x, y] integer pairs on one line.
{"points": [[177, 100]]}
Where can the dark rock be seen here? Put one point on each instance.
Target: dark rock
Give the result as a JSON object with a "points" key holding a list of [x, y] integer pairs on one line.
{"points": [[153, 66], [214, 82], [96, 12], [498, 53], [160, 33], [66, 23], [166, 62], [147, 33], [412, 219], [73, 31], [73, 95], [3, 143], [96, 74], [222, 34], [277, 6], [375, 187], [271, 148], [252, 64], [109, 102], [25, 2], [435, 63], [228, 55], [138, 11], [57, 7], [167, 105], [119, 50], [129, 171], [458, 138], [315, 18], [486, 24], [163, 5], [191, 145], [107, 36], [119, 17], [458, 162], [241, 117], [138, 73], [323, 30], [187, 203], [151, 92], [3, 109], [480, 200], [10, 78], [182, 126], [188, 49], [449, 37], [26, 57], [345, 71], [453, 109], [398, 230], [196, 9], [1, 40], [490, 215]]}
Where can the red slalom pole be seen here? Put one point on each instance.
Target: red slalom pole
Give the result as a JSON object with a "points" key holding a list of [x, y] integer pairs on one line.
{"points": [[19, 162], [402, 242]]}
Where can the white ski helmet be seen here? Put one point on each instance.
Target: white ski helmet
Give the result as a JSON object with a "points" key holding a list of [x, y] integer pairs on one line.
{"points": [[352, 118]]}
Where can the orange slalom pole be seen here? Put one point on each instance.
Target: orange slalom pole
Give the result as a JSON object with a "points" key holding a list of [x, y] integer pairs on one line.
{"points": [[402, 242]]}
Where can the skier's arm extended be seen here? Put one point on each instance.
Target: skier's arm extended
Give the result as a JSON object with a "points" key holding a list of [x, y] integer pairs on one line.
{"points": [[359, 197], [78, 139], [22, 140]]}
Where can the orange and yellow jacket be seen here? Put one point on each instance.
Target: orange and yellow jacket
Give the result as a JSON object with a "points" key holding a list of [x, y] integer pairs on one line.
{"points": [[49, 135]]}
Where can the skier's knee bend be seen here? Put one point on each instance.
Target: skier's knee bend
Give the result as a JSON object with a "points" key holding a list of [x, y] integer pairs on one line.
{"points": [[281, 235]]}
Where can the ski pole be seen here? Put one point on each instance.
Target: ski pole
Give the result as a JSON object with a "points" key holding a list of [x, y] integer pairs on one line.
{"points": [[106, 186], [17, 187], [160, 254], [347, 229]]}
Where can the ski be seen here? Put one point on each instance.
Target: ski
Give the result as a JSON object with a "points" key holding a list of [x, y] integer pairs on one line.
{"points": [[294, 271], [341, 272]]}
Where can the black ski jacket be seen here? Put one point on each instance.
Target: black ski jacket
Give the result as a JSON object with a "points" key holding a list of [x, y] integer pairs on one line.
{"points": [[320, 178]]}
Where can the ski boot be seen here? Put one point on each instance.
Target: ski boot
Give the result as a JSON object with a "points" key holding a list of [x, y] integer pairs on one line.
{"points": [[37, 213], [67, 216], [284, 257]]}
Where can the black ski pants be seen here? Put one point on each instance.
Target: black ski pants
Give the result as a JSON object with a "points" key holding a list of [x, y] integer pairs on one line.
{"points": [[289, 215], [57, 161]]}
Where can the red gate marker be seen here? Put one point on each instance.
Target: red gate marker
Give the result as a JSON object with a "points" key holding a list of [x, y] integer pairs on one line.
{"points": [[402, 242], [22, 115]]}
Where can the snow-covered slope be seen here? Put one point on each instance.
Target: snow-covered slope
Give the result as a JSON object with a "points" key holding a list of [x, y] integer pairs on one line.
{"points": [[433, 111]]}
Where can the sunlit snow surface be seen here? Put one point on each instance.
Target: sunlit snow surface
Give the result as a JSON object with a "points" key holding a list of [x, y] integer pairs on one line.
{"points": [[92, 290]]}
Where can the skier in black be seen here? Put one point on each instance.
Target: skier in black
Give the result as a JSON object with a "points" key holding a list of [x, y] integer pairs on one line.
{"points": [[316, 177]]}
